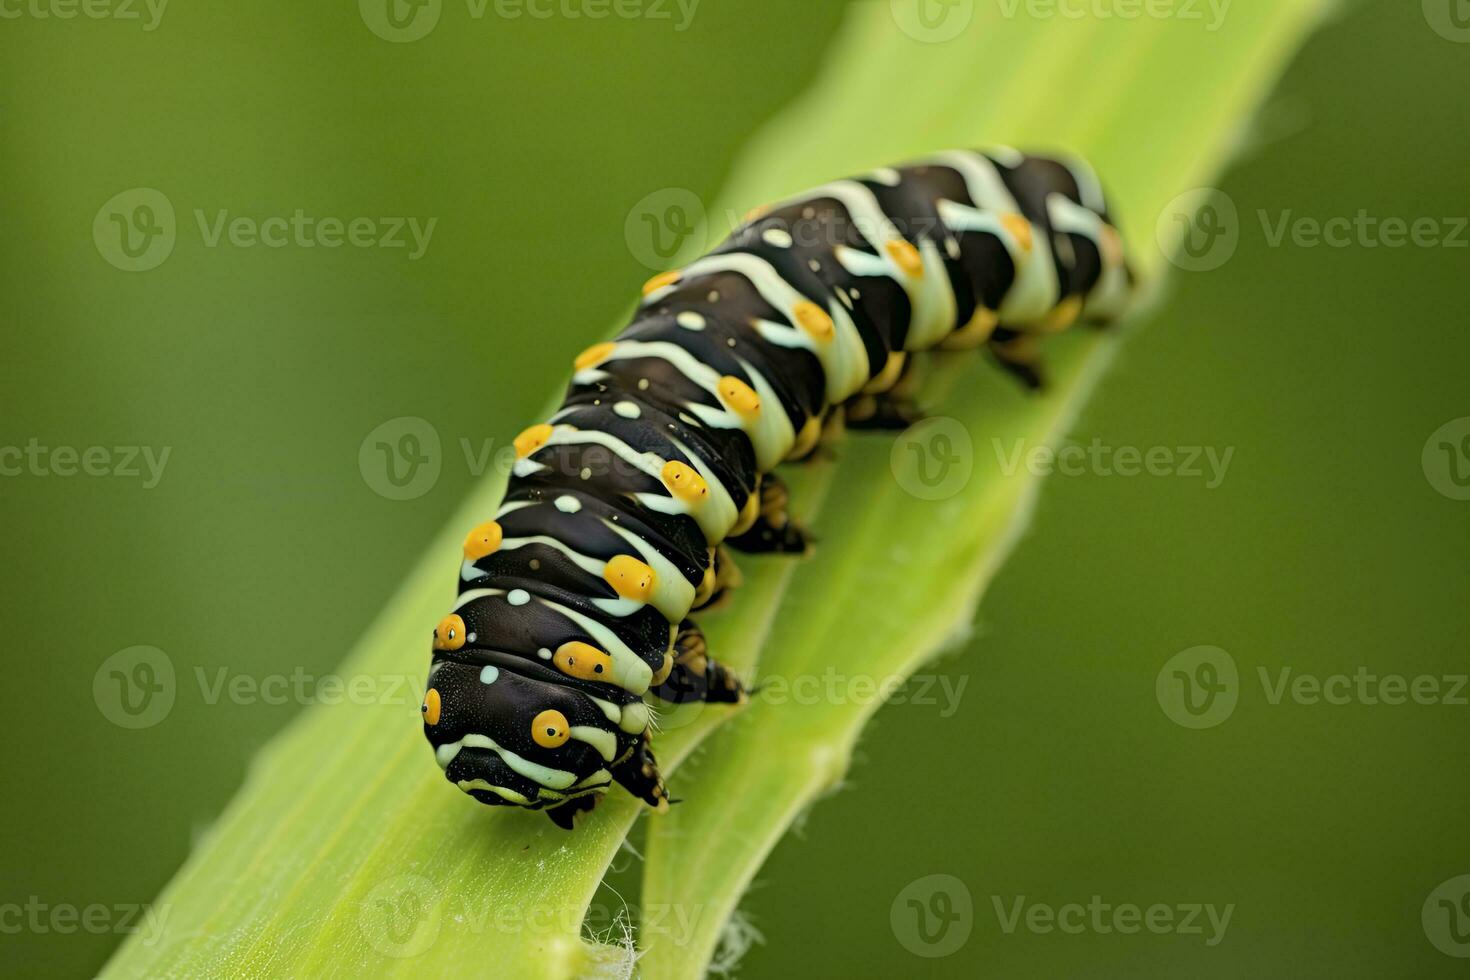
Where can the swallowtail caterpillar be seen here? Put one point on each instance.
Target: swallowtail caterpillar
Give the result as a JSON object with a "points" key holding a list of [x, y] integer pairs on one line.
{"points": [[574, 601]]}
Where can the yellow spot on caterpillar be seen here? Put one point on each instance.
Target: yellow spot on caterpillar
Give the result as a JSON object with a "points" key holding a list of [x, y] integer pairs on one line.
{"points": [[888, 377], [974, 333], [1020, 230], [906, 257], [483, 540], [431, 707], [449, 634], [1063, 316], [740, 397], [532, 439], [814, 320], [756, 213], [550, 729], [583, 661], [684, 482], [1111, 245], [630, 578], [660, 281], [594, 355]]}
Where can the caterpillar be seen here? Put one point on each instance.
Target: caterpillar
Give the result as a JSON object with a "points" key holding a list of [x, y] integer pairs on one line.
{"points": [[574, 601]]}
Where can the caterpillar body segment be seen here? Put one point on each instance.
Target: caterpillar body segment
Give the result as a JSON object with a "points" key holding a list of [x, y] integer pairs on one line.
{"points": [[574, 600]]}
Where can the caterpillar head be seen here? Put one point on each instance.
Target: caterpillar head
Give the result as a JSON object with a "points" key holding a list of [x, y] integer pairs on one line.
{"points": [[508, 739]]}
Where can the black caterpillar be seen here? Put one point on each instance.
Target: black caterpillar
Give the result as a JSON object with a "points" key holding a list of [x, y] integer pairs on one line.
{"points": [[574, 600]]}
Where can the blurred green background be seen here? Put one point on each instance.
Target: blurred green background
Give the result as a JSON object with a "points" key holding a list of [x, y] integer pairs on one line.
{"points": [[264, 551]]}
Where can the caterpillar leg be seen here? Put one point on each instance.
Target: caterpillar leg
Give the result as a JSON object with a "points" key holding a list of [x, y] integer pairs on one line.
{"points": [[696, 676], [888, 412], [816, 442], [638, 773], [566, 815], [1019, 354], [772, 531], [720, 579], [890, 402]]}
